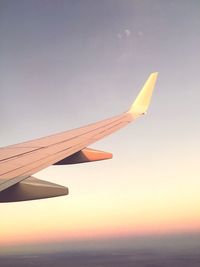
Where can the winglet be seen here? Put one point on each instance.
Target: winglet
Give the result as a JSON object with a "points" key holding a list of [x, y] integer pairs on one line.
{"points": [[141, 103]]}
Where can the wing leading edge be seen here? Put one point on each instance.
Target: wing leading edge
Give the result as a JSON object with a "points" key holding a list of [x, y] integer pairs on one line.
{"points": [[20, 162]]}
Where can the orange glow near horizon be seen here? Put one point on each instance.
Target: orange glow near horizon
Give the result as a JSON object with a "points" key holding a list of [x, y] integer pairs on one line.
{"points": [[49, 235]]}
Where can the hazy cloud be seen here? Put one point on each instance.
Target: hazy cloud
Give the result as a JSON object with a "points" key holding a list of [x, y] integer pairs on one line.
{"points": [[127, 32], [124, 34]]}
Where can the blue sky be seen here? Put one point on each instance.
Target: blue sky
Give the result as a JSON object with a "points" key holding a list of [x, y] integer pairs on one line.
{"points": [[68, 63]]}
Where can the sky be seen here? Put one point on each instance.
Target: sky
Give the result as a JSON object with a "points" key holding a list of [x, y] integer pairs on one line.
{"points": [[65, 64]]}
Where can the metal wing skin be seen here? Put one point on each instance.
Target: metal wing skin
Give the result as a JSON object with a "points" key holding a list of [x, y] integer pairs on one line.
{"points": [[19, 162]]}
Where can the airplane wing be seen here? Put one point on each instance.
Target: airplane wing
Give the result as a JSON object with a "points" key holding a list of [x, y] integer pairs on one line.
{"points": [[19, 162]]}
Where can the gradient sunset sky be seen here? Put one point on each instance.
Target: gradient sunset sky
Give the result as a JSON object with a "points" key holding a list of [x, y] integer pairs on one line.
{"points": [[64, 64]]}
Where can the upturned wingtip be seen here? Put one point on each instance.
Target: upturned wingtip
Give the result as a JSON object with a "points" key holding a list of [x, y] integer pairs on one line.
{"points": [[142, 101]]}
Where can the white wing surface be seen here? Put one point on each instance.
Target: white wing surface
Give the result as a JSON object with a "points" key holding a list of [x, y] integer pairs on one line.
{"points": [[19, 162]]}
